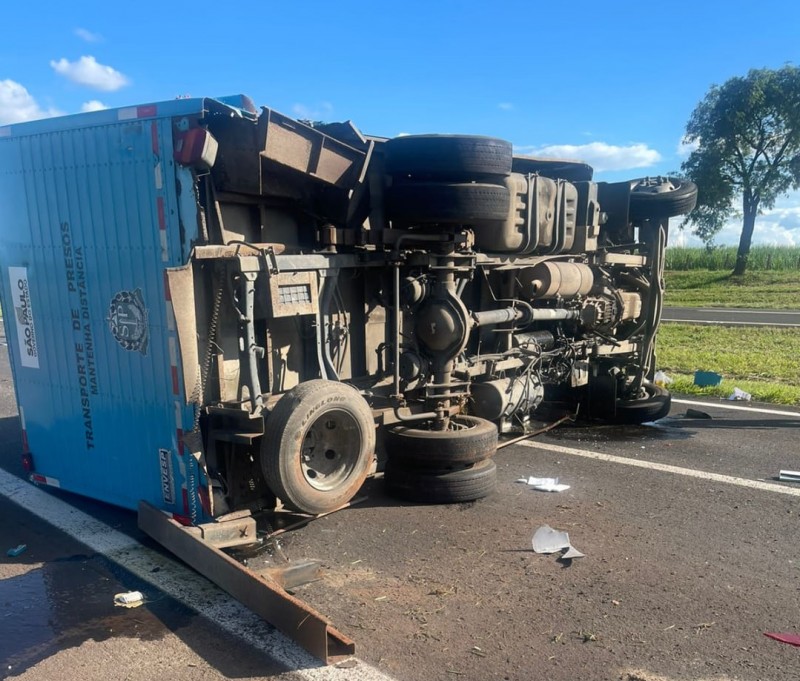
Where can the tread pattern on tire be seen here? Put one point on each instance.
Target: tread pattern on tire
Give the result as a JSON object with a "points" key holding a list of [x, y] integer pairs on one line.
{"points": [[680, 201], [441, 487], [448, 156], [447, 202], [278, 427], [652, 408], [440, 449]]}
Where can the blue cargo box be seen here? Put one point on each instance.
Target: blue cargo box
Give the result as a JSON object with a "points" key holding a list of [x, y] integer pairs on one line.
{"points": [[93, 211]]}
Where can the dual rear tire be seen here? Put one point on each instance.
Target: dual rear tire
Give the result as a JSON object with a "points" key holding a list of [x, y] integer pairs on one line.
{"points": [[442, 466]]}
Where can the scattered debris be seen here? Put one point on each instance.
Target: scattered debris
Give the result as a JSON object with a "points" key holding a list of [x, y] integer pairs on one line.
{"points": [[738, 394], [661, 379], [697, 414], [548, 540], [705, 379], [544, 484], [129, 599], [789, 476], [347, 664], [17, 550], [791, 639], [703, 625], [571, 553]]}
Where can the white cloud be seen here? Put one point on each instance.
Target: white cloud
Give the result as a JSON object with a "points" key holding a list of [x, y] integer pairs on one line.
{"points": [[93, 105], [88, 71], [88, 36], [778, 226], [600, 155], [319, 112], [685, 147], [18, 105], [505, 106]]}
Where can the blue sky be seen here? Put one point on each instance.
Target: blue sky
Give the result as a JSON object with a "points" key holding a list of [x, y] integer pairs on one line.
{"points": [[612, 83]]}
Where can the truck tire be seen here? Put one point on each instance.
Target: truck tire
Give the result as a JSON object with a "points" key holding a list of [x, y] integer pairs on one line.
{"points": [[318, 446], [656, 198], [447, 202], [448, 156], [654, 405], [441, 487], [471, 440]]}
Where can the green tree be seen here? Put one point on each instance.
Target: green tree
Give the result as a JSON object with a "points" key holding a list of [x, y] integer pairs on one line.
{"points": [[747, 133]]}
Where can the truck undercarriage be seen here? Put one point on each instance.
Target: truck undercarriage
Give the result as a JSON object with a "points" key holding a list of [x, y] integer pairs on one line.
{"points": [[358, 304]]}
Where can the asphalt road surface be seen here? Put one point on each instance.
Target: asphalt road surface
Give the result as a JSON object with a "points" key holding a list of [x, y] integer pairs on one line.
{"points": [[690, 556], [732, 316]]}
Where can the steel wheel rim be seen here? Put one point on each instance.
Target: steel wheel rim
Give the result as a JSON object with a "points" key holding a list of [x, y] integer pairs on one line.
{"points": [[330, 450]]}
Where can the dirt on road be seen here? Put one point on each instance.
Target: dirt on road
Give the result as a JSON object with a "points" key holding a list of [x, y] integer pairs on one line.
{"points": [[681, 576]]}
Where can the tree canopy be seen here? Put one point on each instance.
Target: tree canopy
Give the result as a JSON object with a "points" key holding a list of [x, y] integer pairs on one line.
{"points": [[747, 137]]}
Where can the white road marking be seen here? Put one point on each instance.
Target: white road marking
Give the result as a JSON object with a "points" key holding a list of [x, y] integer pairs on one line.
{"points": [[733, 310], [736, 407], [177, 581], [666, 468], [730, 322]]}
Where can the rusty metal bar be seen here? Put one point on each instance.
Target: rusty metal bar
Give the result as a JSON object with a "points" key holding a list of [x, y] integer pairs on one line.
{"points": [[262, 595]]}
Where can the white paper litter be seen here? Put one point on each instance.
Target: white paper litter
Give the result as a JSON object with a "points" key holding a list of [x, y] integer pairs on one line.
{"points": [[129, 599], [544, 484], [739, 394]]}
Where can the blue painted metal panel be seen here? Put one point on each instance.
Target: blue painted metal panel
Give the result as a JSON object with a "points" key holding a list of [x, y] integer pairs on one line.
{"points": [[90, 217]]}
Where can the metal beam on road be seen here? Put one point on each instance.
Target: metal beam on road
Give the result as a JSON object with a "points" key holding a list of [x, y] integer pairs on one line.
{"points": [[177, 581]]}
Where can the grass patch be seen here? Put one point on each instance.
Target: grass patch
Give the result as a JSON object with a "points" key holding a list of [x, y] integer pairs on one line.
{"points": [[773, 290], [764, 362], [724, 258]]}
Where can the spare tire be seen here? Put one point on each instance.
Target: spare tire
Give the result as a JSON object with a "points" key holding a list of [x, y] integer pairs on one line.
{"points": [[656, 198], [447, 202], [469, 440], [441, 487], [448, 156]]}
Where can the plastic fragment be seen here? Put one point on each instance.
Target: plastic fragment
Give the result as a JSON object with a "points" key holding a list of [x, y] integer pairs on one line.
{"points": [[572, 552], [544, 484], [661, 379], [17, 550], [129, 599], [789, 476], [697, 414], [739, 394], [791, 639], [548, 540], [706, 379]]}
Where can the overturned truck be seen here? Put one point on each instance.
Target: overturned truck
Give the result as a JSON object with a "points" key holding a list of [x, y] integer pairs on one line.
{"points": [[212, 307]]}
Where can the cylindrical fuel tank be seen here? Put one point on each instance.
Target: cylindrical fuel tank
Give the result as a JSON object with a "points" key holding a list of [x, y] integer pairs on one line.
{"points": [[503, 397], [552, 279]]}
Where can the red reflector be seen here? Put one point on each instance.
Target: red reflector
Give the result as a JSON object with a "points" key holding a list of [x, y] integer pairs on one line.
{"points": [[196, 147], [27, 462], [182, 519], [146, 111]]}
